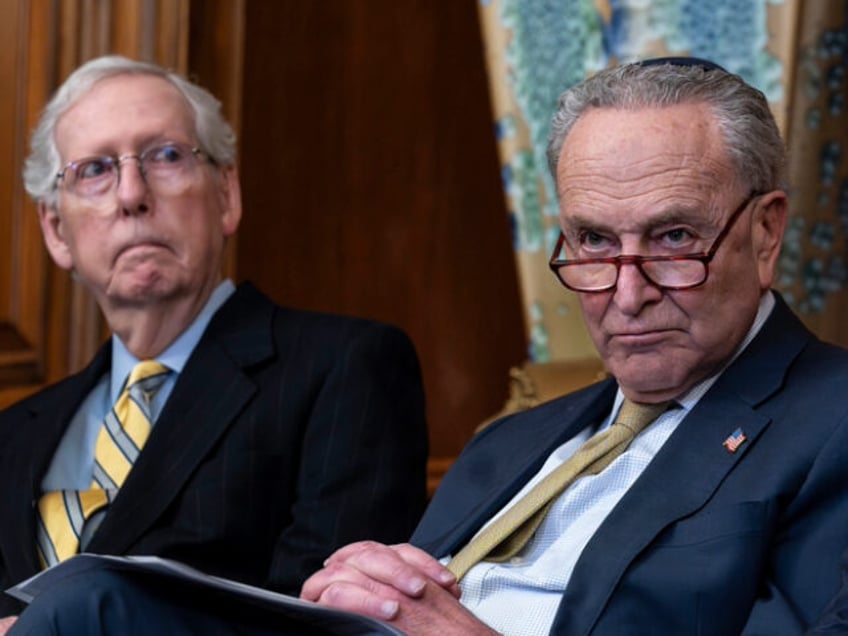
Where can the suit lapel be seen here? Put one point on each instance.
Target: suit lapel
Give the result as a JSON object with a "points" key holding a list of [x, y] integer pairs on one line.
{"points": [[28, 456], [694, 458], [207, 398], [459, 510], [694, 455]]}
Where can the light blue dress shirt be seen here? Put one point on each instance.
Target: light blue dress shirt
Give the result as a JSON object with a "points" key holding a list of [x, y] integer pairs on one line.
{"points": [[537, 577], [72, 466]]}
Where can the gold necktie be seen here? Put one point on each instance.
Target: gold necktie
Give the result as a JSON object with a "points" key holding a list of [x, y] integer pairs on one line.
{"points": [[508, 534], [63, 513]]}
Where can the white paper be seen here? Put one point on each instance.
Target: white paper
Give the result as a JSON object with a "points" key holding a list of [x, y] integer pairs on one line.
{"points": [[335, 621]]}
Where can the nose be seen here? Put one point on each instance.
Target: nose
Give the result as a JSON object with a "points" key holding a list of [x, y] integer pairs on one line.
{"points": [[133, 192], [633, 291]]}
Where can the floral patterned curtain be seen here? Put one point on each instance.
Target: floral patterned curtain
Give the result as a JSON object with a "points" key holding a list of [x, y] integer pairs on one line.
{"points": [[796, 52]]}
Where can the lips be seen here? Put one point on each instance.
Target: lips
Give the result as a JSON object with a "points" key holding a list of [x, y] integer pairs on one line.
{"points": [[138, 249], [644, 338]]}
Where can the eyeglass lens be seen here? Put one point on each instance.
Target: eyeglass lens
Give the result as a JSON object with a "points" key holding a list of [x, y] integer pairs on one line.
{"points": [[166, 168], [665, 273]]}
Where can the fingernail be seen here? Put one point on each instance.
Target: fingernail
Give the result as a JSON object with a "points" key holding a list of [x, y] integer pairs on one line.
{"points": [[447, 577], [388, 609], [416, 585]]}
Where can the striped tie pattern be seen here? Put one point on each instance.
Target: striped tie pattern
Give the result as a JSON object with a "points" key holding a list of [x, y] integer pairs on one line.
{"points": [[62, 514], [507, 535]]}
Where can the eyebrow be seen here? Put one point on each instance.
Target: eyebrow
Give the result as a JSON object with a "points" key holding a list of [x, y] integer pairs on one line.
{"points": [[678, 214]]}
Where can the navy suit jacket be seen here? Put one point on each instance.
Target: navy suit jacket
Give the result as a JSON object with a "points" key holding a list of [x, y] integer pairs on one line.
{"points": [[287, 435], [706, 541], [835, 618]]}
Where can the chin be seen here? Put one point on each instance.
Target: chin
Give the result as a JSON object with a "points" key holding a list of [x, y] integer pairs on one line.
{"points": [[140, 294], [646, 382]]}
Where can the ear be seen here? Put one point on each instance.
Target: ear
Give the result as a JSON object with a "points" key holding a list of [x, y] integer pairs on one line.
{"points": [[53, 230], [230, 193], [767, 227]]}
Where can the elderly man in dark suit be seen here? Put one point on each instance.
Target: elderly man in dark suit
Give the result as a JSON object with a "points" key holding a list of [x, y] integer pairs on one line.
{"points": [[728, 511], [251, 440]]}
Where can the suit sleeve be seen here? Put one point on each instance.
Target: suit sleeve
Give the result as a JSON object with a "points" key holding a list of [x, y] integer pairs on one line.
{"points": [[363, 455], [804, 566], [8, 605], [834, 620]]}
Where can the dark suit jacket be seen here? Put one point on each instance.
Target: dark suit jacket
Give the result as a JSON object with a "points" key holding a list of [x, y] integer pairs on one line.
{"points": [[287, 435], [834, 620], [706, 541]]}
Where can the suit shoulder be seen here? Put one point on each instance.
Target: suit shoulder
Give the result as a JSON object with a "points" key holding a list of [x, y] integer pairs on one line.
{"points": [[62, 394], [35, 401], [827, 353], [338, 329], [588, 403], [250, 300], [16, 419]]}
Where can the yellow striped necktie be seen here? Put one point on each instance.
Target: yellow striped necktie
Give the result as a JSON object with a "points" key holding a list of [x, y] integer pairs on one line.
{"points": [[509, 533], [63, 514]]}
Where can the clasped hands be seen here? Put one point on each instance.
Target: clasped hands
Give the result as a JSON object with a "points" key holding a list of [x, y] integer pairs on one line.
{"points": [[399, 584]]}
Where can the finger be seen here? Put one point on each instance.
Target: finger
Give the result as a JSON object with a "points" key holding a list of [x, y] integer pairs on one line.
{"points": [[343, 553], [354, 598], [6, 623], [387, 566], [339, 572], [426, 564], [383, 564]]}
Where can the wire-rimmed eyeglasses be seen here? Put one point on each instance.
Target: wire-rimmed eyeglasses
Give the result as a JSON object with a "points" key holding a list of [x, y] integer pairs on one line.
{"points": [[673, 272], [164, 167]]}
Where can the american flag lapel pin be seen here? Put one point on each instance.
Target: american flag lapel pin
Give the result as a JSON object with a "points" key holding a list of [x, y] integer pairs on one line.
{"points": [[734, 440]]}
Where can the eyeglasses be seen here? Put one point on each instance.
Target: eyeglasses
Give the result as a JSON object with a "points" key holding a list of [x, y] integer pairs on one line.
{"points": [[673, 272], [166, 168]]}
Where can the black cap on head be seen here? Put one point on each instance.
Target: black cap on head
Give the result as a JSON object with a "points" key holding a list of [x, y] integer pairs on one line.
{"points": [[683, 61]]}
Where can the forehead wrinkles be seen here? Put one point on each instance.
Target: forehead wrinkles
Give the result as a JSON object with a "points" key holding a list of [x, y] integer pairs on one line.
{"points": [[624, 153], [592, 195], [643, 177], [120, 108]]}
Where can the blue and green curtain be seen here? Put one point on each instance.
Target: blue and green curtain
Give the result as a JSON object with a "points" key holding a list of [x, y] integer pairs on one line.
{"points": [[795, 51]]}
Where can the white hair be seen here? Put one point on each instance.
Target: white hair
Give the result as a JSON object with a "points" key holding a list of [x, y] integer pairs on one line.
{"points": [[750, 133]]}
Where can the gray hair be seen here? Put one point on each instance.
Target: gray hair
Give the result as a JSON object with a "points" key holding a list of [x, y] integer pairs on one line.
{"points": [[214, 134], [750, 133]]}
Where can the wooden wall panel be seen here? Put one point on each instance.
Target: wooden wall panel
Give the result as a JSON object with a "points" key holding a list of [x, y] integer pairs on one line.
{"points": [[369, 172], [370, 182], [216, 34], [24, 287]]}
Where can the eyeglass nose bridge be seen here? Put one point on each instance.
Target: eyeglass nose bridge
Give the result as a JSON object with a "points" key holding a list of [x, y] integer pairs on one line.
{"points": [[119, 162], [639, 261], [636, 260]]}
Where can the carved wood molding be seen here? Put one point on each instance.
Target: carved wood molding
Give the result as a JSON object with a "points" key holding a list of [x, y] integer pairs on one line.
{"points": [[23, 266]]}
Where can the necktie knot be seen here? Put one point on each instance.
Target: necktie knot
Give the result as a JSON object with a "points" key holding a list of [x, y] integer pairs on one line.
{"points": [[635, 416], [148, 375]]}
